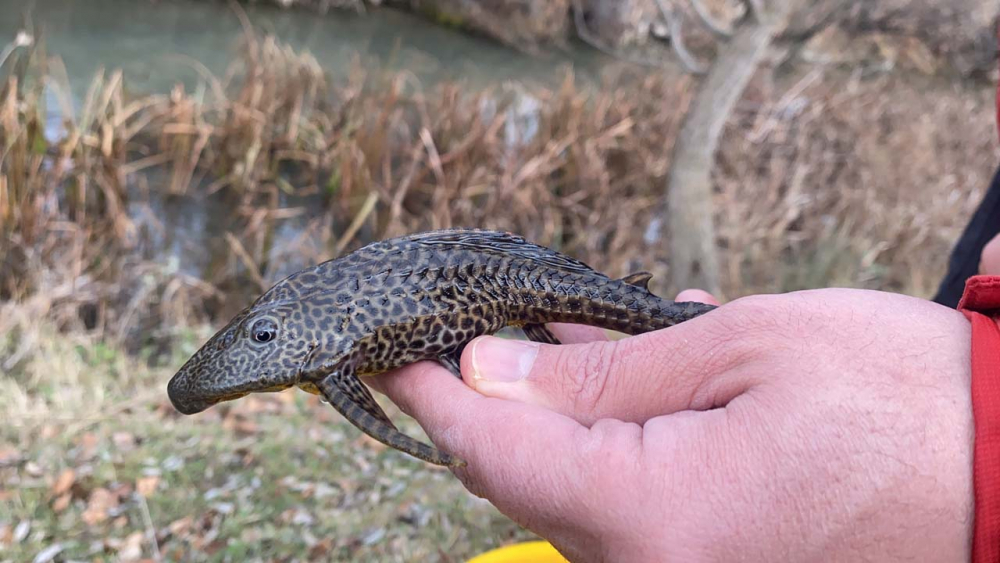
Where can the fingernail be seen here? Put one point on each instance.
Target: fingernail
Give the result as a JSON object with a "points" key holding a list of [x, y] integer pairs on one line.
{"points": [[502, 360]]}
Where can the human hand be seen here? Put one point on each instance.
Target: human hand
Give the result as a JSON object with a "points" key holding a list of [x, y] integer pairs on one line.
{"points": [[824, 425], [989, 262]]}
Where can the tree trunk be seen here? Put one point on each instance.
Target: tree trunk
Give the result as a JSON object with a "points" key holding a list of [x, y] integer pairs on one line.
{"points": [[694, 261]]}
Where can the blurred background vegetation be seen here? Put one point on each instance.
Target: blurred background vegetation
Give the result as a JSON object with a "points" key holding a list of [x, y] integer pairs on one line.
{"points": [[163, 162]]}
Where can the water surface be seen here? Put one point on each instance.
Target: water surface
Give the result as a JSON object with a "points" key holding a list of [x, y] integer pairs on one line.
{"points": [[157, 43]]}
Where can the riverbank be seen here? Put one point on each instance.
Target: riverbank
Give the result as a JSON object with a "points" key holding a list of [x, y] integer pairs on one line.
{"points": [[816, 160], [958, 37]]}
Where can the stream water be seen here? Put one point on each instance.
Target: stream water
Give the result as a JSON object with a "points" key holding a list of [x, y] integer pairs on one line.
{"points": [[155, 42]]}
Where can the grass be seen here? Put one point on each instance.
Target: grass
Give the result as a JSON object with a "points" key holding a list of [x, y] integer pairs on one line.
{"points": [[824, 178], [288, 486]]}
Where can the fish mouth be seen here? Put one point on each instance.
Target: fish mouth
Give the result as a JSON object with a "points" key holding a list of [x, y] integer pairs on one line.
{"points": [[224, 398], [195, 407], [189, 406], [241, 394], [187, 402], [180, 397]]}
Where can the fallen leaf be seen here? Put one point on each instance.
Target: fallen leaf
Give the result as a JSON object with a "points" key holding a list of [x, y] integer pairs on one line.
{"points": [[146, 486], [61, 503], [374, 536], [173, 463], [321, 550], [303, 518], [21, 530], [121, 490], [132, 549], [123, 441], [247, 459], [178, 527], [98, 507], [214, 547], [225, 508], [349, 486], [63, 483], [10, 457], [246, 427], [47, 554], [88, 443]]}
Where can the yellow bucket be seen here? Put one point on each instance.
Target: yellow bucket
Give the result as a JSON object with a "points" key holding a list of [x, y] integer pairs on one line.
{"points": [[528, 552]]}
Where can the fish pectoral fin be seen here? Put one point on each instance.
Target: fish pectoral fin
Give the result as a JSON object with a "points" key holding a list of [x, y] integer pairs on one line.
{"points": [[539, 333], [353, 400], [453, 362], [639, 279], [358, 394]]}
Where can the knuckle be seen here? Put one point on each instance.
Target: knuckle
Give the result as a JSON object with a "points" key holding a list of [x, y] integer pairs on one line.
{"points": [[751, 322], [739, 333], [586, 372], [749, 312], [617, 444]]}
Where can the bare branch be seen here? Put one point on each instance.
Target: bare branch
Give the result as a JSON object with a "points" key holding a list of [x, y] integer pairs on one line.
{"points": [[677, 39], [708, 20]]}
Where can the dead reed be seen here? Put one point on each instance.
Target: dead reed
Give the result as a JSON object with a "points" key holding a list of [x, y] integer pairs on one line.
{"points": [[823, 179]]}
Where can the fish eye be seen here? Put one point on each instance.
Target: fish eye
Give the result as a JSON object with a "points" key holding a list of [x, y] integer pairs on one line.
{"points": [[264, 331]]}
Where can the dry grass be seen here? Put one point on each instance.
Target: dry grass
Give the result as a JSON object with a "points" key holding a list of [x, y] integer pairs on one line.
{"points": [[824, 178], [387, 157], [834, 179]]}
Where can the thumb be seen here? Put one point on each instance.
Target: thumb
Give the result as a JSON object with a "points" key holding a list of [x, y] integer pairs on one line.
{"points": [[633, 379]]}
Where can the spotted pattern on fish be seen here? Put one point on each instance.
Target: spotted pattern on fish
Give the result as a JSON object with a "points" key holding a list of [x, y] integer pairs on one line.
{"points": [[399, 301]]}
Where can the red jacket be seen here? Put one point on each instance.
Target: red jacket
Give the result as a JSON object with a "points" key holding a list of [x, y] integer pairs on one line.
{"points": [[981, 305]]}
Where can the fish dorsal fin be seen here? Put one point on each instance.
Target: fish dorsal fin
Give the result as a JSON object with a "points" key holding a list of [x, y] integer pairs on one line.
{"points": [[639, 279], [506, 243]]}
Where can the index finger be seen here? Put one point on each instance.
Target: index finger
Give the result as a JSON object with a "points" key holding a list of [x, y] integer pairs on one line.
{"points": [[518, 455], [544, 470]]}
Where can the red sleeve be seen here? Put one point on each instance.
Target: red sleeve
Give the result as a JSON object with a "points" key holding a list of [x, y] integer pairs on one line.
{"points": [[981, 304]]}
